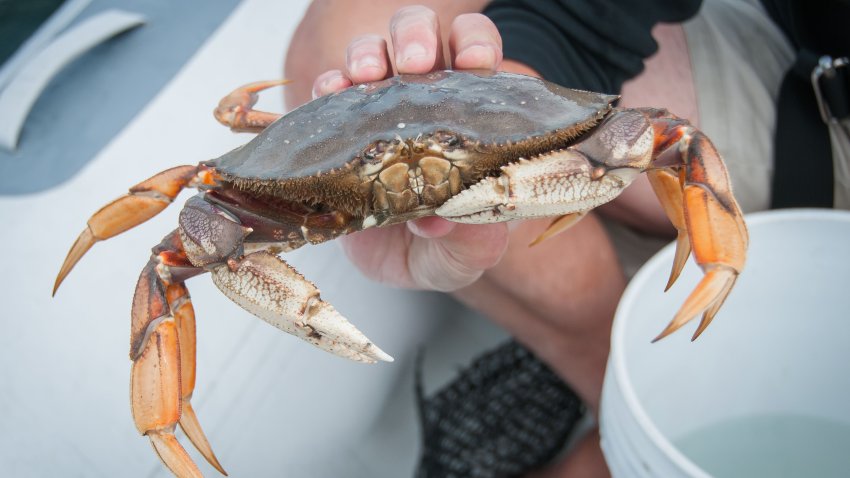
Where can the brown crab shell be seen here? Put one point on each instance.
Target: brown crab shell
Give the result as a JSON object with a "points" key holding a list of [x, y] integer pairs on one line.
{"points": [[314, 152]]}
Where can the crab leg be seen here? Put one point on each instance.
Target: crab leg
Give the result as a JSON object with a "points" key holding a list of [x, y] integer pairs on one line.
{"points": [[155, 393], [184, 314], [163, 353], [667, 185], [236, 109], [144, 201], [714, 222], [559, 225]]}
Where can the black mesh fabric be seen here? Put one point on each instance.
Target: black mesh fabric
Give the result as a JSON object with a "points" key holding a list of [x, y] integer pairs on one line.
{"points": [[504, 415]]}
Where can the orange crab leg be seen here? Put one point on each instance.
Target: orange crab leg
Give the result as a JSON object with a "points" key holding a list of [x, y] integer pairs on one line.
{"points": [[667, 185], [155, 393], [144, 201], [559, 225], [184, 315], [163, 353], [236, 109], [713, 219]]}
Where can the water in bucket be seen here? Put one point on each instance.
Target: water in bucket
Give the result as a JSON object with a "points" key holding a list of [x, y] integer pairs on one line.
{"points": [[778, 446]]}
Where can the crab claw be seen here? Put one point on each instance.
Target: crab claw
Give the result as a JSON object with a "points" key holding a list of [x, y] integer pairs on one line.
{"points": [[269, 288], [560, 183]]}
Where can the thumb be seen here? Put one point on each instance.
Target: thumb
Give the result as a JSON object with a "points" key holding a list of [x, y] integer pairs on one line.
{"points": [[458, 258]]}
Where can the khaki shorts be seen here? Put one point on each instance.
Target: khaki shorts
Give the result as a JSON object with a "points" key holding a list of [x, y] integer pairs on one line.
{"points": [[739, 57]]}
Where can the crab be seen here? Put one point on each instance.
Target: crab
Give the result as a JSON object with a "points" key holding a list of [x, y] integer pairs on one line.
{"points": [[471, 147]]}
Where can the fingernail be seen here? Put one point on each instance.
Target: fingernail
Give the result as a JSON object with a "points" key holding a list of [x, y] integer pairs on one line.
{"points": [[477, 56], [325, 85], [413, 50], [430, 227], [414, 228], [364, 62]]}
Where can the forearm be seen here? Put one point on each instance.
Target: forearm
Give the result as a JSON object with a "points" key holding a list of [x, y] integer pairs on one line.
{"points": [[557, 298]]}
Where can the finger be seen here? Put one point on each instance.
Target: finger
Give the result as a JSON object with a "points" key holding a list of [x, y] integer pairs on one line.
{"points": [[381, 254], [416, 40], [431, 227], [367, 59], [475, 43], [330, 82], [457, 259], [394, 256]]}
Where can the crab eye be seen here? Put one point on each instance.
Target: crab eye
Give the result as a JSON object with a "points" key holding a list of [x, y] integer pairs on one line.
{"points": [[376, 150]]}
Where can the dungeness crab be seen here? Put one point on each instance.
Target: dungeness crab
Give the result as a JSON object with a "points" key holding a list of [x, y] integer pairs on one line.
{"points": [[470, 147]]}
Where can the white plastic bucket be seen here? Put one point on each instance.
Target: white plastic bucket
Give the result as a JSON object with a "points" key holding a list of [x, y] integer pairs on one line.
{"points": [[765, 391]]}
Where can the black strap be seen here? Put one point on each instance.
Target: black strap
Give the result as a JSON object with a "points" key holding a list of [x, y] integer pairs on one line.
{"points": [[832, 79], [803, 171]]}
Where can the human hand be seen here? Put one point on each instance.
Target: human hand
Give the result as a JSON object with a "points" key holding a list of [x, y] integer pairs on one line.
{"points": [[558, 297], [428, 253]]}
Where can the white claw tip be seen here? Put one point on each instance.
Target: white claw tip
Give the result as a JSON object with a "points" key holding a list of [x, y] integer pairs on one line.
{"points": [[380, 354]]}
